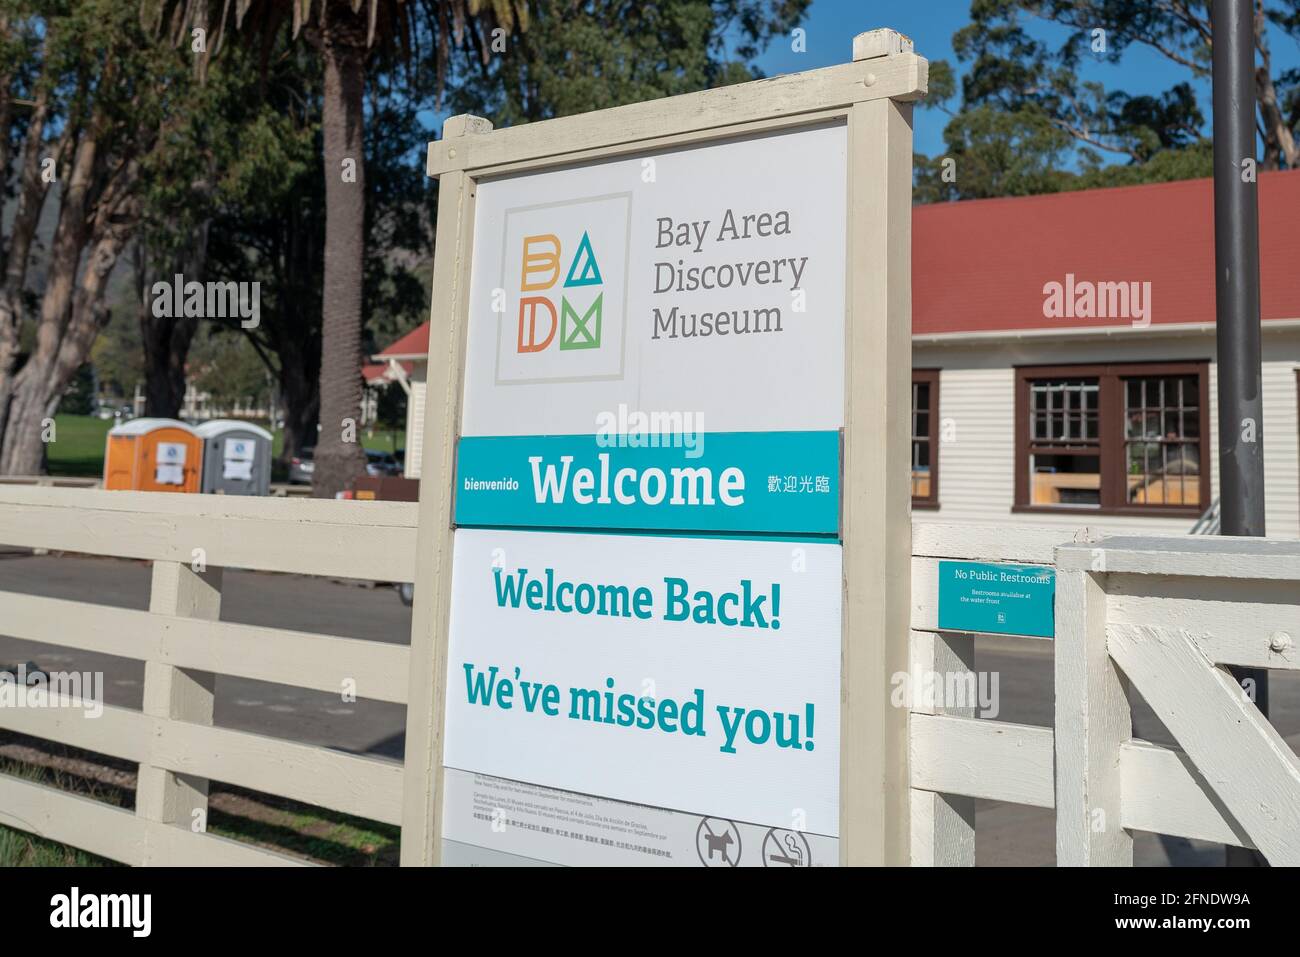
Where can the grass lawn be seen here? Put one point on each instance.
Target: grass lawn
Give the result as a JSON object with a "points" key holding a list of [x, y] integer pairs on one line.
{"points": [[323, 836], [78, 446]]}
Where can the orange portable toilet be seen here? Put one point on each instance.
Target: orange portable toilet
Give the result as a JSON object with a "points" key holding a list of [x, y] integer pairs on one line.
{"points": [[153, 455]]}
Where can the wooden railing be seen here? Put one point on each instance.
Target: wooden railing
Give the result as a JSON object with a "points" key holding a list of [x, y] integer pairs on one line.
{"points": [[189, 539], [1161, 616]]}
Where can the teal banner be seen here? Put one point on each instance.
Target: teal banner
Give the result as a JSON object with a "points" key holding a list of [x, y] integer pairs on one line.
{"points": [[998, 599], [759, 483]]}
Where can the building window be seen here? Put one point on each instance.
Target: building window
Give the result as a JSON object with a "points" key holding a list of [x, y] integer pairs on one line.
{"points": [[925, 445], [1118, 438], [1064, 442]]}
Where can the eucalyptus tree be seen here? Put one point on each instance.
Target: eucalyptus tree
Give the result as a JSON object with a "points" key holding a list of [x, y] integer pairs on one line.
{"points": [[89, 99]]}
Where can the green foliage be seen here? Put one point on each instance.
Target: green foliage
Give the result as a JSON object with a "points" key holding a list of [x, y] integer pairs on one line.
{"points": [[79, 399], [242, 140], [581, 55], [1013, 69], [117, 354], [1028, 123], [995, 152], [226, 366]]}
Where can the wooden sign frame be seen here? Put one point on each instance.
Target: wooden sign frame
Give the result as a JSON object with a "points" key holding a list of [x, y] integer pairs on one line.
{"points": [[873, 95]]}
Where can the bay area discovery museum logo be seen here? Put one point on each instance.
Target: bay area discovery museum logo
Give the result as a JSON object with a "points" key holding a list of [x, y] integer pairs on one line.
{"points": [[563, 293]]}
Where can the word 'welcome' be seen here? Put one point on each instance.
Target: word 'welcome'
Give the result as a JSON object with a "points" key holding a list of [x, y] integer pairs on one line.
{"points": [[690, 486]]}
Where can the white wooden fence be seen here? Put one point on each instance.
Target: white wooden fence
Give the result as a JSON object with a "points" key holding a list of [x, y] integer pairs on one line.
{"points": [[1158, 615], [183, 646], [1161, 616]]}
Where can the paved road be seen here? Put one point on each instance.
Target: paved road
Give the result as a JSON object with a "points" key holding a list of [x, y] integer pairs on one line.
{"points": [[1006, 834]]}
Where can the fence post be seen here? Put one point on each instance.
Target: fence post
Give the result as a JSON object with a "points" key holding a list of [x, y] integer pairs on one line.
{"points": [[1092, 719], [943, 825], [430, 616], [178, 694], [875, 799]]}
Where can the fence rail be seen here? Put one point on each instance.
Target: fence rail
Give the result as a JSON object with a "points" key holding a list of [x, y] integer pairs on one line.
{"points": [[184, 645]]}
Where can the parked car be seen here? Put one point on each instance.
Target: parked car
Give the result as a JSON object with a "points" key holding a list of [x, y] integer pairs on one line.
{"points": [[379, 464], [302, 466]]}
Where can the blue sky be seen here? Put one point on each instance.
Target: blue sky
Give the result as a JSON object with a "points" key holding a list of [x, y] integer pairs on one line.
{"points": [[832, 24]]}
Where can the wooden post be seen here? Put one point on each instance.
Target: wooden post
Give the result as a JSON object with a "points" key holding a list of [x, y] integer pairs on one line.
{"points": [[449, 318], [1092, 719], [874, 790], [943, 825], [178, 694]]}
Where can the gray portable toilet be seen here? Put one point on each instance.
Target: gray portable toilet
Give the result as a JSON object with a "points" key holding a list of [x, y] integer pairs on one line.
{"points": [[236, 457]]}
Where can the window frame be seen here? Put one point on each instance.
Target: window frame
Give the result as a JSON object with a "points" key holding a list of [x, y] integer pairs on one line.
{"points": [[1110, 425], [928, 377]]}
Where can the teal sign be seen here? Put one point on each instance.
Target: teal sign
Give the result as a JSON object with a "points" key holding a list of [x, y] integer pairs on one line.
{"points": [[757, 483], [999, 599]]}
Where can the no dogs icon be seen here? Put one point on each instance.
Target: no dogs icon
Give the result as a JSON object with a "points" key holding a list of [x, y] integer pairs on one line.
{"points": [[718, 842]]}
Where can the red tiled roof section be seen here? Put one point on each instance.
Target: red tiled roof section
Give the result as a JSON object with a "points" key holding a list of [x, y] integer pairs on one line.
{"points": [[980, 266], [377, 371], [414, 343]]}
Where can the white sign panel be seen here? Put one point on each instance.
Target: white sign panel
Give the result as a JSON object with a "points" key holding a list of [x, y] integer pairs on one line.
{"points": [[708, 280], [701, 677]]}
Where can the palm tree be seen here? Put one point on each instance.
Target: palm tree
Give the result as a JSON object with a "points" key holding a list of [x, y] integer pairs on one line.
{"points": [[347, 34]]}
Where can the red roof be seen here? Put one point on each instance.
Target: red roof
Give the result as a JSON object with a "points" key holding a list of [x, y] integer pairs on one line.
{"points": [[378, 371], [981, 265], [414, 343]]}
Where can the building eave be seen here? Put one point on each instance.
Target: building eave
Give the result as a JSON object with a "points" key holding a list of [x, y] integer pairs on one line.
{"points": [[1084, 333]]}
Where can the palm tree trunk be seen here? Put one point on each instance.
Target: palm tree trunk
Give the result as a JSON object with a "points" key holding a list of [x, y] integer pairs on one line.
{"points": [[339, 456]]}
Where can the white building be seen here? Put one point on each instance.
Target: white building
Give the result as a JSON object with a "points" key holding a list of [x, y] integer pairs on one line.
{"points": [[1028, 410], [406, 362]]}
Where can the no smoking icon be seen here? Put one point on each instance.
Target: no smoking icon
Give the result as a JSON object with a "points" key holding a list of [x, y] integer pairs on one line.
{"points": [[783, 848]]}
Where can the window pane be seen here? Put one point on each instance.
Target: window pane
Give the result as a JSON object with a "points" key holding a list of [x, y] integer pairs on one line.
{"points": [[1065, 480], [1064, 412], [1038, 429], [921, 445], [920, 470], [1163, 467]]}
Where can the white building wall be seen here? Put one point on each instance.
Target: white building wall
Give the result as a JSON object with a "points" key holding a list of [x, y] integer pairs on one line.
{"points": [[415, 421], [977, 408]]}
